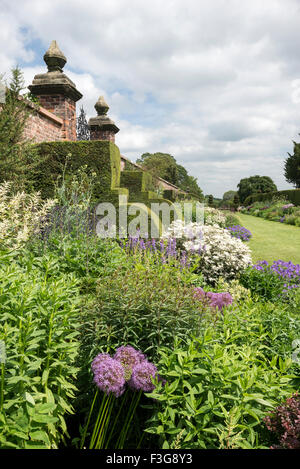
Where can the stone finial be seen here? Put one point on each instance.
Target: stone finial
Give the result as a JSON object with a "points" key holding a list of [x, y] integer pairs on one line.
{"points": [[101, 106], [102, 127], [54, 82], [54, 58]]}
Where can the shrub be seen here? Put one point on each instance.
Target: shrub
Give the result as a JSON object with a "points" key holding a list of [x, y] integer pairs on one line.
{"points": [[39, 329], [214, 216], [142, 306], [231, 220], [240, 232], [271, 282], [21, 215], [290, 219], [221, 254], [236, 290], [284, 423]]}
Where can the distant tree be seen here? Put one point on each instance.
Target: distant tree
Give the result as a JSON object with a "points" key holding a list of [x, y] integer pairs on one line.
{"points": [[188, 183], [229, 195], [17, 157], [292, 167], [164, 165], [160, 165], [210, 200], [236, 201], [253, 185], [82, 128]]}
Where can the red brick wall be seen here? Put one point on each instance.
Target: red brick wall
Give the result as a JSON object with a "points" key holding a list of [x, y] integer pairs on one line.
{"points": [[102, 135], [65, 108], [43, 126]]}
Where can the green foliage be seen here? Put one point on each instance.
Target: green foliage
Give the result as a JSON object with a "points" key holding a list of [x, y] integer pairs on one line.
{"points": [[292, 196], [164, 165], [277, 209], [160, 165], [253, 185], [231, 219], [39, 327], [17, 159], [99, 157], [218, 389], [140, 305], [229, 195], [210, 200], [264, 283], [292, 167]]}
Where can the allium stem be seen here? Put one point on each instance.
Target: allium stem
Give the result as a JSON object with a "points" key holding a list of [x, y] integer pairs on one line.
{"points": [[117, 418], [98, 422], [104, 421], [88, 421], [134, 403]]}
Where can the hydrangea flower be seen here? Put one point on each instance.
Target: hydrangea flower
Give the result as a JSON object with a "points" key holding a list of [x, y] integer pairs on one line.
{"points": [[141, 376], [221, 254], [129, 358], [109, 374]]}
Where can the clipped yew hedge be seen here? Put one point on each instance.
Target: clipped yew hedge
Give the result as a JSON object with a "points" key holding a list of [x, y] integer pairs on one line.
{"points": [[292, 195]]}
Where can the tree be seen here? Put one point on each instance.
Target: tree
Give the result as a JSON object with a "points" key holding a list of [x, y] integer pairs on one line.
{"points": [[188, 183], [82, 128], [253, 185], [160, 165], [164, 165], [16, 156], [229, 195], [292, 167], [210, 200]]}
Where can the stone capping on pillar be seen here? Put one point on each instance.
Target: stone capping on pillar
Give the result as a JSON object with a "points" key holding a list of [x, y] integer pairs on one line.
{"points": [[102, 127], [54, 81]]}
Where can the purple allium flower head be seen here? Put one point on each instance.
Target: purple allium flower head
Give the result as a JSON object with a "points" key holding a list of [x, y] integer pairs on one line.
{"points": [[129, 358], [98, 360], [141, 376], [109, 375], [216, 300]]}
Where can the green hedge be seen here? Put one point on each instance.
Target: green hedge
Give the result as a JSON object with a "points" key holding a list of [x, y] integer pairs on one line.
{"points": [[292, 195], [102, 157]]}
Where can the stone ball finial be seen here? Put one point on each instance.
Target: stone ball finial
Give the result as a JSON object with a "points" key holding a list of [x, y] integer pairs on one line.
{"points": [[54, 58], [101, 106]]}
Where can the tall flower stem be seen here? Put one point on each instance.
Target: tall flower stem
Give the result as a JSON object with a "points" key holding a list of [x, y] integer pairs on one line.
{"points": [[88, 421], [116, 419], [130, 414], [104, 421], [98, 421]]}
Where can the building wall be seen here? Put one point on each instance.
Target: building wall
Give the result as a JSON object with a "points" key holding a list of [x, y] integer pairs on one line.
{"points": [[64, 108], [43, 126]]}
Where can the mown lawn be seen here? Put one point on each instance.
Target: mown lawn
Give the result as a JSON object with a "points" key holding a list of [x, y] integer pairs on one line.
{"points": [[272, 240]]}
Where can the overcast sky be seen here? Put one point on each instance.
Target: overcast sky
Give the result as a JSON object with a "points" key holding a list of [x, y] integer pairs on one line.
{"points": [[215, 83]]}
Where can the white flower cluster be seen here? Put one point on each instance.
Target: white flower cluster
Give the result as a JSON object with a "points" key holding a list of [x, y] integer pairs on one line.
{"points": [[20, 215], [213, 216], [221, 256]]}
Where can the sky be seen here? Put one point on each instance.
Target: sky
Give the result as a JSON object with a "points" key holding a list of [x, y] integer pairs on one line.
{"points": [[214, 83]]}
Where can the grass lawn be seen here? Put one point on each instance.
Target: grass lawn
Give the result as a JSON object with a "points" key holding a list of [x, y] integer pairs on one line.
{"points": [[272, 240]]}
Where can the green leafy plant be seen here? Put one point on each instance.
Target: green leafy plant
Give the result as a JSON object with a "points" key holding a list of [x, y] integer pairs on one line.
{"points": [[216, 393], [39, 327]]}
